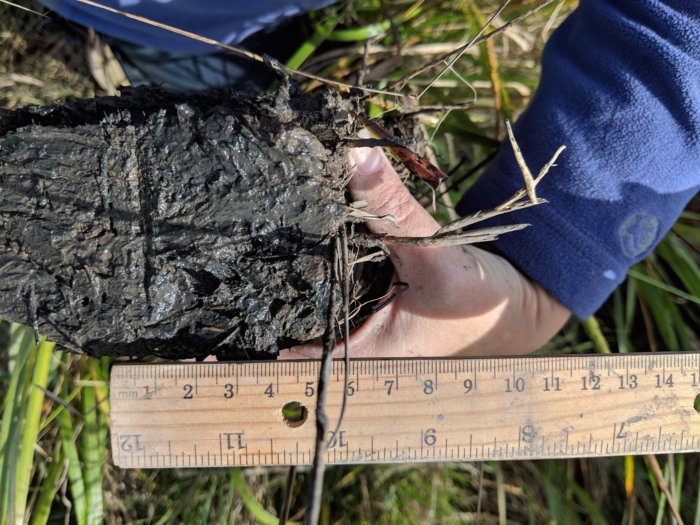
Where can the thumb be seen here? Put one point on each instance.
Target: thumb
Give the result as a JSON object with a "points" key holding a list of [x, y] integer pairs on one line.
{"points": [[376, 182]]}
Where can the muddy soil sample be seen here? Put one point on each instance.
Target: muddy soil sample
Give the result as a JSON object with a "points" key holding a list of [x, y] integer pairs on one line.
{"points": [[179, 226]]}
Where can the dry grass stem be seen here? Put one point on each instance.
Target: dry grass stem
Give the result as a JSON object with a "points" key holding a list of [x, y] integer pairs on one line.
{"points": [[446, 235], [372, 257], [363, 216], [530, 182], [461, 52], [23, 8], [488, 214], [448, 57], [659, 475], [401, 83], [12, 79], [417, 110], [288, 493], [451, 238]]}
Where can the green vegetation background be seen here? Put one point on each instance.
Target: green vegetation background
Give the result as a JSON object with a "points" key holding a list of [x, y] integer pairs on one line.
{"points": [[54, 454]]}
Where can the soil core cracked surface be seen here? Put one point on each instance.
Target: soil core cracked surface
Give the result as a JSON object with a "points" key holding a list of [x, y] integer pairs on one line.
{"points": [[180, 226]]}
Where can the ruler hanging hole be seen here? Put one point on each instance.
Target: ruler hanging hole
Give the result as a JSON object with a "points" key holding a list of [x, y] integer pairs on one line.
{"points": [[294, 414], [696, 403]]}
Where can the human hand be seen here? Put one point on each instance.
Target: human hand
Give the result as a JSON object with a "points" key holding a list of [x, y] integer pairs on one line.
{"points": [[461, 300]]}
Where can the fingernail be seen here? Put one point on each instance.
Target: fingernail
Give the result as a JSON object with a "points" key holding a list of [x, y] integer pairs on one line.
{"points": [[366, 160]]}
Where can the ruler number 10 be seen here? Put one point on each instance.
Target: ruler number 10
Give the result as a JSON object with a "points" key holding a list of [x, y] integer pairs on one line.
{"points": [[516, 384]]}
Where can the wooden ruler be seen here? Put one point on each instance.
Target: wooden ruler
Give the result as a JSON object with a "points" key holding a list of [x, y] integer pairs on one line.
{"points": [[262, 413]]}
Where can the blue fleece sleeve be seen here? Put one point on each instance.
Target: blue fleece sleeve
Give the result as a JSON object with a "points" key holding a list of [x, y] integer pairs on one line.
{"points": [[620, 87], [227, 21]]}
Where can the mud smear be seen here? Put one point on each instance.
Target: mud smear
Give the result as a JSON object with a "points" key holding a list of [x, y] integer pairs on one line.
{"points": [[179, 226]]}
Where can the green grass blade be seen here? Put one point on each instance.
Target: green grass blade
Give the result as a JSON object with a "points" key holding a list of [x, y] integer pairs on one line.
{"points": [[666, 317], [228, 499], [93, 452], [61, 407], [75, 473], [99, 370], [696, 518], [629, 476], [593, 330], [679, 258], [30, 431], [621, 324], [631, 301], [688, 232], [321, 33], [586, 502], [252, 506], [661, 508], [20, 353], [205, 508], [663, 286], [680, 473], [558, 505], [49, 488], [360, 34], [500, 494]]}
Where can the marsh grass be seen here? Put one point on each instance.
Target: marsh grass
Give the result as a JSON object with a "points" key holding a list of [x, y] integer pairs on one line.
{"points": [[54, 457]]}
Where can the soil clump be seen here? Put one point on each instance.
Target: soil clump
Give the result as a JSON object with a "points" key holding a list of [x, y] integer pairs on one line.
{"points": [[175, 225]]}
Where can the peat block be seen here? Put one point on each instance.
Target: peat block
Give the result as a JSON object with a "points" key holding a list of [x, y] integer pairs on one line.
{"points": [[179, 226]]}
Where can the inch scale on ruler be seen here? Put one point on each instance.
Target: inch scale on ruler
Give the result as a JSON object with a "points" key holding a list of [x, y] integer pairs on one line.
{"points": [[416, 410]]}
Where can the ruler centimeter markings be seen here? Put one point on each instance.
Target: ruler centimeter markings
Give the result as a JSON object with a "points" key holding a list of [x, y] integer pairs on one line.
{"points": [[405, 410]]}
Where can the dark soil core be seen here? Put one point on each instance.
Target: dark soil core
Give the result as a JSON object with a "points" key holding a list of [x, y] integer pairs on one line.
{"points": [[174, 225]]}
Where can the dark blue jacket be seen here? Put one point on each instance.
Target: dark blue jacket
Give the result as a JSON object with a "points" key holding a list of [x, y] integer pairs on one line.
{"points": [[620, 88], [227, 21]]}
